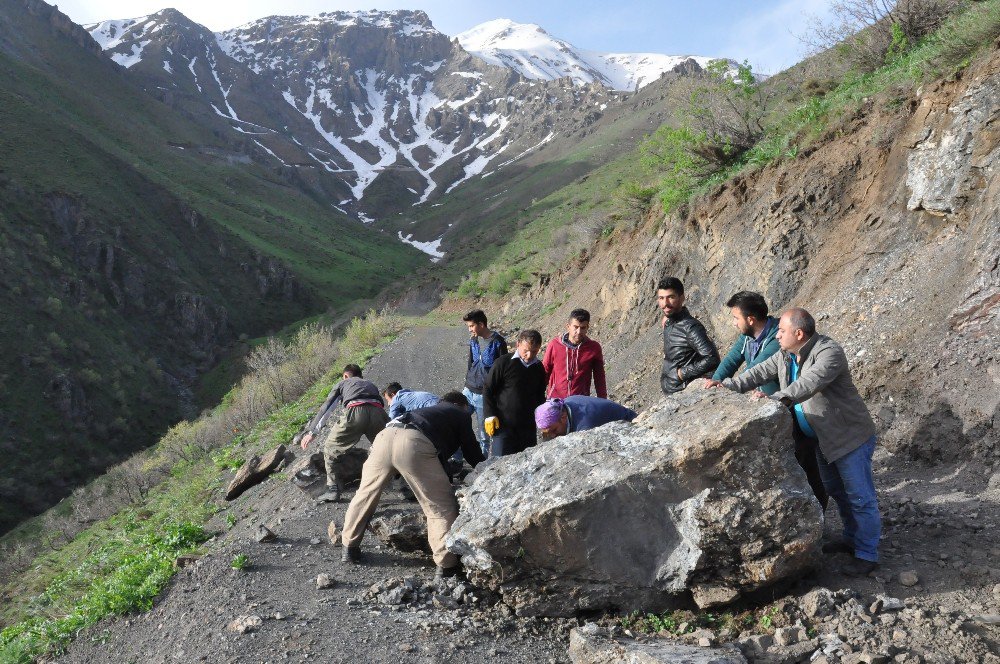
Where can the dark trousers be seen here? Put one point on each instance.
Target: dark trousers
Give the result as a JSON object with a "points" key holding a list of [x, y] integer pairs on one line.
{"points": [[805, 453], [512, 441]]}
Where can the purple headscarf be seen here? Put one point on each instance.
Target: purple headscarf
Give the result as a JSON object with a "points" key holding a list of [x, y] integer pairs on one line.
{"points": [[549, 413]]}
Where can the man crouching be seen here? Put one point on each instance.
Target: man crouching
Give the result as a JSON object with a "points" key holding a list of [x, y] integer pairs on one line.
{"points": [[416, 445]]}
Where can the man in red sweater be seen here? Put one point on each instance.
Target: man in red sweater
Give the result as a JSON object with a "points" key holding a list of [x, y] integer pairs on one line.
{"points": [[572, 359]]}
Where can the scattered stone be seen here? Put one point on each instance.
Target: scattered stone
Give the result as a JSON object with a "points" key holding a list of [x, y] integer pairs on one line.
{"points": [[314, 541], [444, 602], [787, 636], [245, 624], [265, 534], [333, 534], [324, 581], [254, 471], [403, 530], [406, 647], [987, 620], [757, 642], [909, 578], [818, 603], [598, 647], [725, 532]]}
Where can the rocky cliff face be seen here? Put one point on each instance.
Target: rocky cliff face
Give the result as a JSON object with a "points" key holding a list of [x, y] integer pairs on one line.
{"points": [[887, 232], [378, 111]]}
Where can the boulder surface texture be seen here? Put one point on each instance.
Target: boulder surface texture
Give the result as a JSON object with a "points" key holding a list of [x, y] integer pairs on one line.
{"points": [[700, 497], [592, 646]]}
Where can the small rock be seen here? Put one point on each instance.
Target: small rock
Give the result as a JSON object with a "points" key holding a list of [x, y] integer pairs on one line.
{"points": [[444, 602], [331, 532], [314, 541], [265, 534], [245, 624], [406, 647], [909, 578], [705, 642], [758, 642], [818, 603], [899, 635], [787, 636], [324, 581], [279, 616]]}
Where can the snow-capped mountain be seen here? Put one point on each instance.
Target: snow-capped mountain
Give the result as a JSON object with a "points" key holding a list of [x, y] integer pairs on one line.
{"points": [[377, 111], [535, 54]]}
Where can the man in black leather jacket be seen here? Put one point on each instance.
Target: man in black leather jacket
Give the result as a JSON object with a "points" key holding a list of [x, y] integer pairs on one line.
{"points": [[688, 353]]}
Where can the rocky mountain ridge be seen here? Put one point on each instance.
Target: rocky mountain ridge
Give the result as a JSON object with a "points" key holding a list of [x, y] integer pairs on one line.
{"points": [[376, 111]]}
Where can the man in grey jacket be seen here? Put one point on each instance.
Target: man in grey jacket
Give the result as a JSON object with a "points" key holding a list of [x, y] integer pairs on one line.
{"points": [[815, 380]]}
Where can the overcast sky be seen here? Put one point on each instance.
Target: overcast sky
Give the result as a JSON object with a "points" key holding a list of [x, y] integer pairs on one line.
{"points": [[763, 32]]}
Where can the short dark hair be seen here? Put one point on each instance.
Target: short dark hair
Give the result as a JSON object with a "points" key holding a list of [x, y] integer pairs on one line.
{"points": [[475, 316], [534, 337], [457, 398], [671, 283], [354, 370], [580, 315], [392, 388], [802, 320], [749, 304]]}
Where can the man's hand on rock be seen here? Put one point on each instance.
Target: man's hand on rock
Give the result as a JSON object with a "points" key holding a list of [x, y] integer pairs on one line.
{"points": [[306, 439], [757, 395], [711, 384]]}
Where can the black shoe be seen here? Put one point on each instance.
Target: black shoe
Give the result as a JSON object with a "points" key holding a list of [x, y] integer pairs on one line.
{"points": [[443, 573], [840, 546], [352, 554], [332, 495], [859, 567]]}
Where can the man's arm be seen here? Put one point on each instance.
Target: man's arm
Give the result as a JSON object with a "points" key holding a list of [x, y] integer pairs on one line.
{"points": [[503, 346], [600, 379], [468, 364], [332, 400], [470, 446], [397, 408], [756, 376], [828, 364], [731, 362], [708, 355], [549, 364]]}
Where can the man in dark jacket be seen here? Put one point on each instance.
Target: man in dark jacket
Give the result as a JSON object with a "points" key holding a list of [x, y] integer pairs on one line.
{"points": [[758, 341], [815, 380], [485, 346], [688, 353], [514, 388], [558, 417], [363, 415], [416, 445]]}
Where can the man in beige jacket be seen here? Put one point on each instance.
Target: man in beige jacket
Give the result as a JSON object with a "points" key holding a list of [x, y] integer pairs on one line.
{"points": [[814, 379]]}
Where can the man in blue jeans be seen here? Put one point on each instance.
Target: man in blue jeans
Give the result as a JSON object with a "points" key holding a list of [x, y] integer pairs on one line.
{"points": [[485, 346], [814, 379]]}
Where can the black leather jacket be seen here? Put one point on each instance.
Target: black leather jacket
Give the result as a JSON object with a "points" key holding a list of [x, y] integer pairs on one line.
{"points": [[686, 346]]}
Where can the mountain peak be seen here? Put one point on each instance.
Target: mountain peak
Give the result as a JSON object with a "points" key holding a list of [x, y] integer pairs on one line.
{"points": [[535, 54]]}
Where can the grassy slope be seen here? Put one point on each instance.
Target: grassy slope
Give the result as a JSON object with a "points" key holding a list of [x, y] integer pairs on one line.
{"points": [[76, 127]]}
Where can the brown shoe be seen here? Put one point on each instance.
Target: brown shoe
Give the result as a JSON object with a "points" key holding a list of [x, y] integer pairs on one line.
{"points": [[859, 567]]}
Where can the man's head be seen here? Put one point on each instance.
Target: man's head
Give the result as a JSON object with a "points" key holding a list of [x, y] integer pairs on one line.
{"points": [[795, 328], [390, 391], [749, 311], [579, 323], [552, 419], [457, 399], [476, 322], [529, 342], [352, 371], [670, 295]]}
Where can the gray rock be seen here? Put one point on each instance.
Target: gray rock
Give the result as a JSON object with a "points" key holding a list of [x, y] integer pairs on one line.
{"points": [[324, 581], [909, 578], [700, 494], [818, 603], [789, 636], [244, 624], [265, 534], [596, 647], [402, 530], [254, 471]]}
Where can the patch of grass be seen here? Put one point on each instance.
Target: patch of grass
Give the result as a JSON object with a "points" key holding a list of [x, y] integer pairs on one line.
{"points": [[240, 562]]}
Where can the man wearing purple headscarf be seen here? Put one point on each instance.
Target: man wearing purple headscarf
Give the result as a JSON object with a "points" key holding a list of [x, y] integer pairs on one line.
{"points": [[558, 417]]}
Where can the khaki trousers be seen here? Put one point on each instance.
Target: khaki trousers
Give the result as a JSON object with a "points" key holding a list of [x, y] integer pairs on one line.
{"points": [[408, 452], [353, 423]]}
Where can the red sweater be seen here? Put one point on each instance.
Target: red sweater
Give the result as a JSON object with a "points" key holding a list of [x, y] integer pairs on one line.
{"points": [[570, 369]]}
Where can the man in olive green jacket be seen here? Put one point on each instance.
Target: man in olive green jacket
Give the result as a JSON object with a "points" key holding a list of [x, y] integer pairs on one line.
{"points": [[814, 379]]}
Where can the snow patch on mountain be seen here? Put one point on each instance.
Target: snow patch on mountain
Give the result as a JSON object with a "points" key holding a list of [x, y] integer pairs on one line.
{"points": [[535, 54], [432, 249]]}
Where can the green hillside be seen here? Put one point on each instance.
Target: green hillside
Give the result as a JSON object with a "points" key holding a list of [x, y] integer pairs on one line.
{"points": [[136, 245]]}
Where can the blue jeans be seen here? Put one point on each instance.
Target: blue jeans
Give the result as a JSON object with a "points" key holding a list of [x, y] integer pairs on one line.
{"points": [[477, 402], [849, 482]]}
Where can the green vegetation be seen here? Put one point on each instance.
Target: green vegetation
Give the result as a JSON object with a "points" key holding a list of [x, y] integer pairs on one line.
{"points": [[678, 622], [240, 562], [122, 561]]}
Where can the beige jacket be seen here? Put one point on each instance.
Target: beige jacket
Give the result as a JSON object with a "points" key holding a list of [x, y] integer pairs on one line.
{"points": [[824, 387]]}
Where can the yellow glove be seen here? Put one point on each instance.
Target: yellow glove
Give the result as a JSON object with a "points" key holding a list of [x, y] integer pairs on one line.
{"points": [[492, 425]]}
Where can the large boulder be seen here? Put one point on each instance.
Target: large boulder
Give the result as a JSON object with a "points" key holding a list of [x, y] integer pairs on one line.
{"points": [[591, 645], [700, 496]]}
